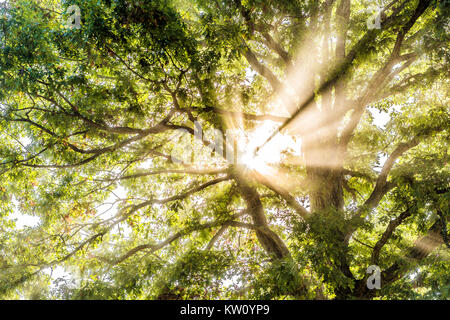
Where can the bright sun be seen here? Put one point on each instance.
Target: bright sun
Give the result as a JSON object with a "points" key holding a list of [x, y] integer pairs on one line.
{"points": [[271, 153]]}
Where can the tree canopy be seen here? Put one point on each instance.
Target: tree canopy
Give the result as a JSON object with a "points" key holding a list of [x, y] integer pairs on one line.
{"points": [[225, 149]]}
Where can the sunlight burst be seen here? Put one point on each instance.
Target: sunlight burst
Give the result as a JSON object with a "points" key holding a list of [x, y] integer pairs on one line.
{"points": [[271, 154]]}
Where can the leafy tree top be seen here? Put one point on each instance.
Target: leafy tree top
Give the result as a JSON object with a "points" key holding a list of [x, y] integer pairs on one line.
{"points": [[90, 119]]}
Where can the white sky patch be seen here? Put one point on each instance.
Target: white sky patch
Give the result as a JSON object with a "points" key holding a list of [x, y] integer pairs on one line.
{"points": [[147, 164], [380, 118], [57, 272], [25, 141], [22, 220], [234, 281], [109, 209], [383, 157], [250, 74]]}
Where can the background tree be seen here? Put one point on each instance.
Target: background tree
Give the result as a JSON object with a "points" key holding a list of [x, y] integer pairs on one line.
{"points": [[88, 120]]}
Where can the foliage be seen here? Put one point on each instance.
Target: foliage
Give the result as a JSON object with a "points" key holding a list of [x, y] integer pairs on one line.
{"points": [[89, 119]]}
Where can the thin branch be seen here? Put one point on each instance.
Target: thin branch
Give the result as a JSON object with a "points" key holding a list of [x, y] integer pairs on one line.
{"points": [[169, 171], [169, 240]]}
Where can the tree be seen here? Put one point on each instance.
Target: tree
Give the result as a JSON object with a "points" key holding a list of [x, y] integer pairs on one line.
{"points": [[90, 120]]}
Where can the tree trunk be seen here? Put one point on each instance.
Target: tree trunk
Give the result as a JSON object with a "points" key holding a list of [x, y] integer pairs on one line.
{"points": [[268, 239], [324, 174]]}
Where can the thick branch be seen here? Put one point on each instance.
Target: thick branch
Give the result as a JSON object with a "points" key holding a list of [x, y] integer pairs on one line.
{"points": [[268, 239], [244, 115], [275, 46], [174, 237], [262, 69], [388, 233], [380, 187], [423, 246], [342, 69], [283, 193]]}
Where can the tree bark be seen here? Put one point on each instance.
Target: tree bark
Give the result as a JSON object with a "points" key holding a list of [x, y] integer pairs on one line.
{"points": [[268, 239]]}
